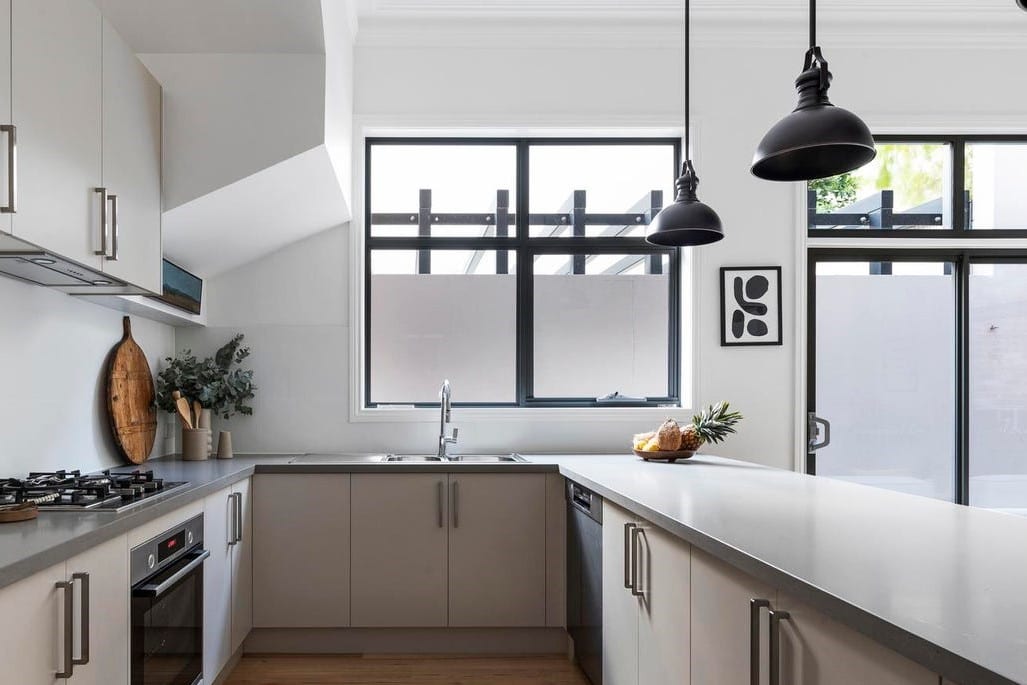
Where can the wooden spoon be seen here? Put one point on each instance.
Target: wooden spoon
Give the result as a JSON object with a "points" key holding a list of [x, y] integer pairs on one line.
{"points": [[182, 404], [197, 413]]}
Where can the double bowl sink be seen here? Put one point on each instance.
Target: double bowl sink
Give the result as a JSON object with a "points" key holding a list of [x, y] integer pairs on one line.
{"points": [[409, 458]]}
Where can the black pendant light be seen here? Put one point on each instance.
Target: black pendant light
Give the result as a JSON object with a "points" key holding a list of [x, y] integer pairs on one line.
{"points": [[686, 221], [816, 140]]}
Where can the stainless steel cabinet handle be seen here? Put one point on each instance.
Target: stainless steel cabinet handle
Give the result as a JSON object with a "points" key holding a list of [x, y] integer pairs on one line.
{"points": [[438, 503], [629, 556], [115, 251], [636, 533], [12, 168], [84, 626], [103, 221], [755, 607], [69, 628], [776, 616], [455, 503], [231, 519], [239, 515]]}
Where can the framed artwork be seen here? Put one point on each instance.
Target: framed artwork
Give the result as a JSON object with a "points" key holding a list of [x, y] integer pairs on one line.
{"points": [[750, 305]]}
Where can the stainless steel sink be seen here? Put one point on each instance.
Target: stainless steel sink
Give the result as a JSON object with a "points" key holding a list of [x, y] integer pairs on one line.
{"points": [[488, 458], [412, 457], [337, 458]]}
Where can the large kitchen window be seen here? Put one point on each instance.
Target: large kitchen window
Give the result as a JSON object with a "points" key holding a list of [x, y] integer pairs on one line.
{"points": [[518, 269], [916, 352]]}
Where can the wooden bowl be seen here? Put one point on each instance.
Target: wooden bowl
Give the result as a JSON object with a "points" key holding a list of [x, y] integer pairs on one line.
{"points": [[11, 513], [665, 455]]}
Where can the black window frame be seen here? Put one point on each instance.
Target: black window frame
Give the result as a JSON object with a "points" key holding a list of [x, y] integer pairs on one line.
{"points": [[960, 228], [526, 249]]}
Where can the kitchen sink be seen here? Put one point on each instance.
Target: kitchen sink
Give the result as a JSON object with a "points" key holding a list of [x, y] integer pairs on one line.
{"points": [[337, 458], [488, 458], [412, 457]]}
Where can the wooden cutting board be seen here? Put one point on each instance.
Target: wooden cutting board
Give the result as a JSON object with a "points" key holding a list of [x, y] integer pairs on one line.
{"points": [[130, 395]]}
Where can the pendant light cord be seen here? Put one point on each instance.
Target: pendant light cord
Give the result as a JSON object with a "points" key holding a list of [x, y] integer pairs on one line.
{"points": [[812, 23], [688, 79]]}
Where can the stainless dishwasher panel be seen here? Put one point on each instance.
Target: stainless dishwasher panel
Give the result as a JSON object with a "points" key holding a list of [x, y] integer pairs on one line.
{"points": [[585, 579]]}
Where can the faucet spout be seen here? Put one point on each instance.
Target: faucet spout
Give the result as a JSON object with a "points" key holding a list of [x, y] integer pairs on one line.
{"points": [[445, 416]]}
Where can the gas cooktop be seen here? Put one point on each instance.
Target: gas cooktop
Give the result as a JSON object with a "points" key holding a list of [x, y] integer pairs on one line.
{"points": [[108, 491]]}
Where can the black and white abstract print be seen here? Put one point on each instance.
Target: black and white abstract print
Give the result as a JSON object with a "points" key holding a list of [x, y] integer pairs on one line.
{"points": [[750, 299]]}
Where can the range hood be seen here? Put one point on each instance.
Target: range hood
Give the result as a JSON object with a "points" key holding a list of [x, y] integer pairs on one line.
{"points": [[31, 264]]}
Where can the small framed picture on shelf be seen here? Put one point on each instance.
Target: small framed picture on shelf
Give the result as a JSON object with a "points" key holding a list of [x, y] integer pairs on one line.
{"points": [[750, 305]]}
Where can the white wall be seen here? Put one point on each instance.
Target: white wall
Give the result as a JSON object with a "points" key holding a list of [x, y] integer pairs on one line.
{"points": [[54, 349], [300, 336]]}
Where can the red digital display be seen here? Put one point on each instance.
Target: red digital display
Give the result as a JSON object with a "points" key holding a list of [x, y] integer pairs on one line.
{"points": [[171, 545]]}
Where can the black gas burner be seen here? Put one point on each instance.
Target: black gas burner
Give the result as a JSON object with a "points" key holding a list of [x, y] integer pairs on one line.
{"points": [[109, 490]]}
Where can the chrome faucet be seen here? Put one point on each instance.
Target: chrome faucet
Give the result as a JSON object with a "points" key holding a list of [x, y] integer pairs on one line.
{"points": [[445, 402]]}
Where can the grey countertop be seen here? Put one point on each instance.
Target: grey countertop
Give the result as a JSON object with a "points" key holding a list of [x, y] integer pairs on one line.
{"points": [[942, 584]]}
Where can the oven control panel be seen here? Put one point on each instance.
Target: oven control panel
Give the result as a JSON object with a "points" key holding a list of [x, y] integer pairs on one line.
{"points": [[166, 548]]}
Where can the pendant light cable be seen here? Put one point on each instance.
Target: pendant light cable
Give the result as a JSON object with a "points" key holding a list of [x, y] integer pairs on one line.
{"points": [[688, 79], [812, 23]]}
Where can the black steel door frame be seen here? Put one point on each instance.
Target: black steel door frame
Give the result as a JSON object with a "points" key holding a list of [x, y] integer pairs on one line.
{"points": [[961, 260]]}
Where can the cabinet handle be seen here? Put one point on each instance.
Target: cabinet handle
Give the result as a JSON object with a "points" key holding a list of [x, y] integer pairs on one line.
{"points": [[231, 519], [84, 626], [636, 533], [776, 616], [238, 518], [439, 494], [455, 503], [629, 557], [12, 168], [755, 607], [115, 251], [103, 221], [69, 628]]}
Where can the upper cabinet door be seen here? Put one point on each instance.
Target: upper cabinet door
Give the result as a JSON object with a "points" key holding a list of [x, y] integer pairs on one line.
{"points": [[497, 550], [56, 92], [131, 164], [6, 141]]}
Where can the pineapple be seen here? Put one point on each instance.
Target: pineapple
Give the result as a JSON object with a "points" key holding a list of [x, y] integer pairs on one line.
{"points": [[712, 424]]}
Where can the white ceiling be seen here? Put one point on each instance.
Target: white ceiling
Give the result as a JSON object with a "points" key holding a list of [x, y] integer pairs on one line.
{"points": [[232, 26]]}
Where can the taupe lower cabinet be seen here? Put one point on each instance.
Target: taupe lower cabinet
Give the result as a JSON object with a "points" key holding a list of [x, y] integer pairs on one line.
{"points": [[646, 605], [459, 550]]}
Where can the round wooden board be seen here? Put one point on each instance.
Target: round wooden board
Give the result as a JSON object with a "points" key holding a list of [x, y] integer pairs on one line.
{"points": [[130, 395], [665, 456], [12, 513]]}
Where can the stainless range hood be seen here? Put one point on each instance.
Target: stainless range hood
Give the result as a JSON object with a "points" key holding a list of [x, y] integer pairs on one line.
{"points": [[27, 262]]}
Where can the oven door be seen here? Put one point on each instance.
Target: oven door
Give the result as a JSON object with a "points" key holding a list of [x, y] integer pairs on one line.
{"points": [[167, 624]]}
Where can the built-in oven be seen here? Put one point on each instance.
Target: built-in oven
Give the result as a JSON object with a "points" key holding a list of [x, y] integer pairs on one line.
{"points": [[167, 607]]}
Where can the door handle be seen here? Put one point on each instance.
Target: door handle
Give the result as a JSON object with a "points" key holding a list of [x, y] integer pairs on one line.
{"points": [[238, 516], [103, 221], [439, 495], [12, 168], [231, 517], [455, 503], [813, 423], [629, 556], [636, 533], [776, 616], [69, 628], [115, 250], [755, 607], [84, 626]]}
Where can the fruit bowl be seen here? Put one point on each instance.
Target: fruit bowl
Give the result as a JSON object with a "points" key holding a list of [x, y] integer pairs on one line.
{"points": [[665, 455]]}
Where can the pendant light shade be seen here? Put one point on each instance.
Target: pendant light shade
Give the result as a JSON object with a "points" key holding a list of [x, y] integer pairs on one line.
{"points": [[817, 139], [686, 221]]}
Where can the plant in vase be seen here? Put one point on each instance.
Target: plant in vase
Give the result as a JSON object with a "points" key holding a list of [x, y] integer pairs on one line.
{"points": [[217, 385]]}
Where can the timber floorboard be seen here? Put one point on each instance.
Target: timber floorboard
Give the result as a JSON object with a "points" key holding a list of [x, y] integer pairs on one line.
{"points": [[315, 669]]}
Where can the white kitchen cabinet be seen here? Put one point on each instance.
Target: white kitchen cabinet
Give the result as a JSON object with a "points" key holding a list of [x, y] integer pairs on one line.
{"points": [[5, 112], [497, 550], [816, 650], [663, 619], [721, 622], [620, 607], [218, 536], [399, 557], [301, 550], [131, 164], [36, 639], [242, 565], [645, 603], [33, 645], [56, 75], [106, 570]]}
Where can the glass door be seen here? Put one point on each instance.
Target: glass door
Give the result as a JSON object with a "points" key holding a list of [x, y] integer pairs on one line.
{"points": [[883, 370]]}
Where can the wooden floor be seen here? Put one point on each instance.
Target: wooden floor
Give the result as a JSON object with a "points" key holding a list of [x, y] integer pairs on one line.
{"points": [[403, 670]]}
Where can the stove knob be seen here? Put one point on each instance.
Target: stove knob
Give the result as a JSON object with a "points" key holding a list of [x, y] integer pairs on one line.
{"points": [[151, 561], [189, 537]]}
